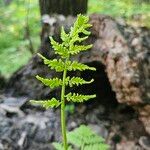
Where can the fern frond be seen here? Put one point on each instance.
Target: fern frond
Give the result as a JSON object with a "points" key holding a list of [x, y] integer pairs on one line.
{"points": [[59, 48], [52, 83], [86, 32], [47, 103], [64, 36], [80, 25], [44, 58], [78, 66], [59, 146], [78, 39], [84, 137], [70, 45], [99, 146], [75, 49], [58, 65], [75, 97], [77, 81]]}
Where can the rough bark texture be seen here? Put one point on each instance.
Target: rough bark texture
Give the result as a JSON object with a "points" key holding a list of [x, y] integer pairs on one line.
{"points": [[121, 49], [65, 7], [126, 58], [125, 53]]}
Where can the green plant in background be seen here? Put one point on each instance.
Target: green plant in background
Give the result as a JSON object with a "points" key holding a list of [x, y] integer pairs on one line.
{"points": [[70, 108], [123, 8], [117, 8], [83, 138], [13, 40], [71, 45]]}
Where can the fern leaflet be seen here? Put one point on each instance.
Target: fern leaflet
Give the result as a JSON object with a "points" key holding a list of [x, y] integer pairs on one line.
{"points": [[75, 49], [52, 83], [78, 66], [76, 81], [64, 36], [80, 26], [58, 65], [59, 48], [59, 146], [75, 97], [47, 103], [98, 146]]}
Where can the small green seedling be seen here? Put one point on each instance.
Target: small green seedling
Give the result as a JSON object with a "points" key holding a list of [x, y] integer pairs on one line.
{"points": [[71, 45]]}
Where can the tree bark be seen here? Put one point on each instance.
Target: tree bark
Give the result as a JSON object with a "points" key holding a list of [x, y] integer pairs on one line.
{"points": [[65, 7]]}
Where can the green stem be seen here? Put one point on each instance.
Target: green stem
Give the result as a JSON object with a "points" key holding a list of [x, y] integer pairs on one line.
{"points": [[82, 147], [63, 116]]}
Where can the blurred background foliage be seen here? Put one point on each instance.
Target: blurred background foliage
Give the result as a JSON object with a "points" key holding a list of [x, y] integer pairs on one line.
{"points": [[14, 44], [18, 17]]}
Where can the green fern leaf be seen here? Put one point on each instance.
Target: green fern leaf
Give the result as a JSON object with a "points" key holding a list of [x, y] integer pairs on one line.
{"points": [[78, 66], [59, 146], [70, 45], [78, 39], [64, 36], [44, 58], [99, 146], [59, 48], [80, 25], [75, 97], [77, 81], [84, 137], [52, 83], [75, 49], [86, 32], [58, 65], [47, 103]]}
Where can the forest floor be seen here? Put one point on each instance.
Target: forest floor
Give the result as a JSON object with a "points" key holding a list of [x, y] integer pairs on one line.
{"points": [[23, 126]]}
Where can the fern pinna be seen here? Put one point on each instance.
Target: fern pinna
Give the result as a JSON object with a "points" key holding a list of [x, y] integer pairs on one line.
{"points": [[71, 45]]}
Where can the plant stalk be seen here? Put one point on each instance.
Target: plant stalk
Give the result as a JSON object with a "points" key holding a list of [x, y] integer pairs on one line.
{"points": [[82, 147], [63, 116]]}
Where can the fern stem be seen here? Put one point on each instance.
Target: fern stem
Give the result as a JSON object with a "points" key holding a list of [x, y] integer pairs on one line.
{"points": [[82, 146], [63, 116]]}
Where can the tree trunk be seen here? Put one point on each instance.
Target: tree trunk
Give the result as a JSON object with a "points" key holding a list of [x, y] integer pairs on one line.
{"points": [[65, 7]]}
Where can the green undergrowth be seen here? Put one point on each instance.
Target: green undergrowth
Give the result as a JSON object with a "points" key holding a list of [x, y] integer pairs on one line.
{"points": [[13, 42], [83, 138], [123, 8]]}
